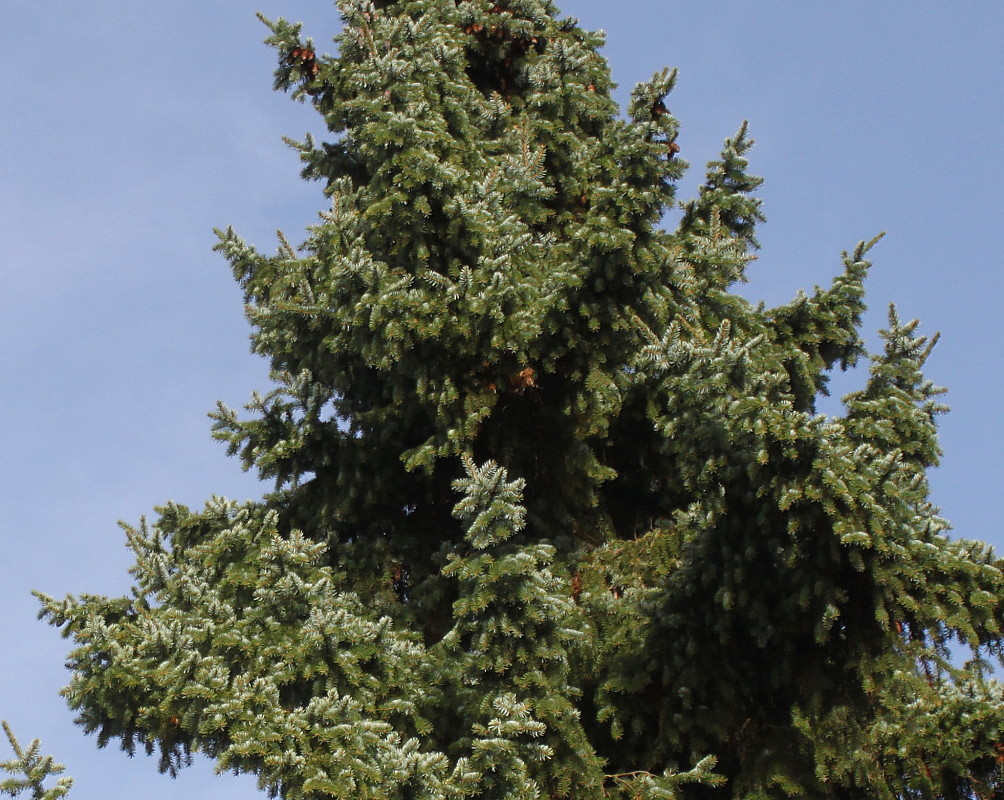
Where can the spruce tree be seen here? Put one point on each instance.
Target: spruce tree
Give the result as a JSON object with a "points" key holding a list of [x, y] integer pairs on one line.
{"points": [[30, 769], [554, 512]]}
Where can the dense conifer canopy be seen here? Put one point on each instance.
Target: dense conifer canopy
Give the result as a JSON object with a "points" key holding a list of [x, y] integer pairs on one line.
{"points": [[554, 512]]}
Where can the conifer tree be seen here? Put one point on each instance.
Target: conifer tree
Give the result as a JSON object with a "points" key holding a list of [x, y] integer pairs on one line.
{"points": [[30, 769], [554, 513]]}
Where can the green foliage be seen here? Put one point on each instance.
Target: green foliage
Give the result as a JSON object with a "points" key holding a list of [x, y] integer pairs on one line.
{"points": [[692, 585], [239, 643], [510, 647], [31, 770]]}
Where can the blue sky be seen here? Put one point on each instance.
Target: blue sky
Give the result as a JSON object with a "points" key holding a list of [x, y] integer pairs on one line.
{"points": [[129, 130]]}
